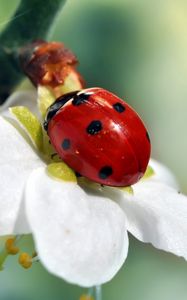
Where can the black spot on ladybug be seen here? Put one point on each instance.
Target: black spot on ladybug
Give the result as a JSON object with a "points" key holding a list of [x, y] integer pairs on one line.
{"points": [[66, 144], [119, 107], [105, 172], [80, 99], [147, 135], [94, 127], [52, 110]]}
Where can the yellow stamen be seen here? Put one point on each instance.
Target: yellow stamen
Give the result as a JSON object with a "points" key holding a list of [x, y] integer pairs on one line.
{"points": [[30, 123], [148, 173], [97, 186], [10, 246], [89, 183], [25, 260], [61, 171], [127, 189]]}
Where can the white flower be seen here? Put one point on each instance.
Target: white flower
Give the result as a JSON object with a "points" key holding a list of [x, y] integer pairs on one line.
{"points": [[80, 232]]}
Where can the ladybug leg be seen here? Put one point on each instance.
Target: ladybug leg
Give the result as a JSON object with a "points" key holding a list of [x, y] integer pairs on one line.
{"points": [[78, 174], [53, 155]]}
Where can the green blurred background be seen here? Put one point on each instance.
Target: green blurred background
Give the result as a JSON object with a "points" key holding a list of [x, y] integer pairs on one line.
{"points": [[137, 49]]}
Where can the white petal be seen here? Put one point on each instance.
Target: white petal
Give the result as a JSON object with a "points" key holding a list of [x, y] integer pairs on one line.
{"points": [[17, 160], [24, 98], [81, 238], [163, 174], [157, 214]]}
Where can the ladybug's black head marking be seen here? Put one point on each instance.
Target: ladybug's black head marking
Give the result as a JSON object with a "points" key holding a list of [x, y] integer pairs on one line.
{"points": [[80, 99], [52, 110]]}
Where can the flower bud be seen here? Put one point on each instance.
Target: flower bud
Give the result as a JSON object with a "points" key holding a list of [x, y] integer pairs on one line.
{"points": [[50, 64]]}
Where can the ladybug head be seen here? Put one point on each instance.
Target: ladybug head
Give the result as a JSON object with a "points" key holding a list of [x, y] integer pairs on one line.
{"points": [[53, 109]]}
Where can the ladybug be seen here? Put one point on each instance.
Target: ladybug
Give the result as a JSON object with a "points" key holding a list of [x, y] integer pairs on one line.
{"points": [[99, 136]]}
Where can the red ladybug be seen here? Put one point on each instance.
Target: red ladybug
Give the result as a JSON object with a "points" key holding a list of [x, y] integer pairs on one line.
{"points": [[99, 136]]}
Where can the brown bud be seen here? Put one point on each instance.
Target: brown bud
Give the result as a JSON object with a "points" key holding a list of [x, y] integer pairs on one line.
{"points": [[48, 63]]}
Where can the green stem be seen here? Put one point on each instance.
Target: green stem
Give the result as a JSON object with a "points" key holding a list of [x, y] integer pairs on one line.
{"points": [[3, 256], [31, 21]]}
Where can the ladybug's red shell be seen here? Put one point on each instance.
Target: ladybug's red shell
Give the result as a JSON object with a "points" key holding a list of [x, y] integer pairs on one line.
{"points": [[99, 136]]}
